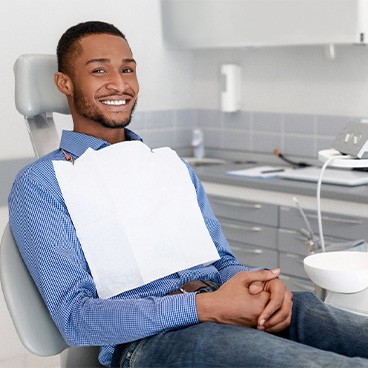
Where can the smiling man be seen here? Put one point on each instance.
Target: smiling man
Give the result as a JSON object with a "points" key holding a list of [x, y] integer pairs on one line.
{"points": [[211, 314]]}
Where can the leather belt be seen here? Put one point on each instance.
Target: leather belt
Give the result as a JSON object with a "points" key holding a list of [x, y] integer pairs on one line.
{"points": [[193, 286]]}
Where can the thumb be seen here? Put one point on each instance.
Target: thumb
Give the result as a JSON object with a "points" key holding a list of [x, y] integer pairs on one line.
{"points": [[256, 287], [276, 271], [259, 276]]}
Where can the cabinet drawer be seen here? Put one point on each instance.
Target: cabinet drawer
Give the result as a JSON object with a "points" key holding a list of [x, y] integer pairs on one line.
{"points": [[291, 241], [254, 256], [297, 284], [260, 213], [249, 233], [345, 227], [292, 264]]}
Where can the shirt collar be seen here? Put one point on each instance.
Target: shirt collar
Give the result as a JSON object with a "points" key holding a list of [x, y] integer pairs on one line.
{"points": [[77, 143]]}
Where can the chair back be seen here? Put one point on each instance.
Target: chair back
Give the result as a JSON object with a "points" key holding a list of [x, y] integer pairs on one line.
{"points": [[31, 319], [37, 98]]}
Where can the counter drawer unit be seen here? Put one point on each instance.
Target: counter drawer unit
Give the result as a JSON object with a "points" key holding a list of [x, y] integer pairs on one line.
{"points": [[253, 256], [345, 227], [297, 284], [292, 264], [256, 212], [245, 232]]}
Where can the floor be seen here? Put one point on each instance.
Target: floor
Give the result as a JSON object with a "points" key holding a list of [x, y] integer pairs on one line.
{"points": [[31, 361]]}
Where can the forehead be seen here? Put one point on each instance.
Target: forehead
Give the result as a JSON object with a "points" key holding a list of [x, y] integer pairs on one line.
{"points": [[99, 46]]}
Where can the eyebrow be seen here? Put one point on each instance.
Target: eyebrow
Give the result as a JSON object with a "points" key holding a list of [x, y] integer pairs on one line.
{"points": [[106, 60]]}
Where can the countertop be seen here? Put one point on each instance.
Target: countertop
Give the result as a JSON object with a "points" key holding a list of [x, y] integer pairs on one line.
{"points": [[218, 174]]}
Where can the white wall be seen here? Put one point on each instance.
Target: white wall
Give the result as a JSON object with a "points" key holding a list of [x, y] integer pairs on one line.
{"points": [[289, 79], [36, 26]]}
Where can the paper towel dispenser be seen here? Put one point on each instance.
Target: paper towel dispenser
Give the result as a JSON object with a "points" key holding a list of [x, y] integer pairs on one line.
{"points": [[194, 24]]}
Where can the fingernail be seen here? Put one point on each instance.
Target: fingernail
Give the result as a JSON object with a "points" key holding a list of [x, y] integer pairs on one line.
{"points": [[262, 322], [275, 270]]}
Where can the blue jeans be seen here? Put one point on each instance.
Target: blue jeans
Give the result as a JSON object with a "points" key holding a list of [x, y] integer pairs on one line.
{"points": [[319, 336]]}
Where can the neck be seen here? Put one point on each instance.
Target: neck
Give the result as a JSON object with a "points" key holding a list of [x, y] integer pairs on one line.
{"points": [[94, 129], [109, 135]]}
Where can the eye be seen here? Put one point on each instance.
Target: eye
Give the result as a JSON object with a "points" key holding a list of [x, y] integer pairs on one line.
{"points": [[128, 70], [98, 71]]}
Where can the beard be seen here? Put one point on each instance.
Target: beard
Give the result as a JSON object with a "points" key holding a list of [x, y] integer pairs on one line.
{"points": [[89, 111]]}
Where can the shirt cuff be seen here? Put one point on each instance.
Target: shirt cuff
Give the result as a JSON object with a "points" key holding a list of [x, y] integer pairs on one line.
{"points": [[178, 311]]}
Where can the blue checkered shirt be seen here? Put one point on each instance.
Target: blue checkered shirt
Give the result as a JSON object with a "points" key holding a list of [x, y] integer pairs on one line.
{"points": [[47, 240]]}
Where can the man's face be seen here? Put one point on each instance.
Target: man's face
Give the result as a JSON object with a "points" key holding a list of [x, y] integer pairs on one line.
{"points": [[105, 85]]}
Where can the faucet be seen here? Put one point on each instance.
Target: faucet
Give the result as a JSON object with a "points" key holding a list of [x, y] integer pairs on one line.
{"points": [[198, 143]]}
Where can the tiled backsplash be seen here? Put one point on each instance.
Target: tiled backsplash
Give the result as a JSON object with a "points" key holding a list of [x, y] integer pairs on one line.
{"points": [[165, 128], [294, 134]]}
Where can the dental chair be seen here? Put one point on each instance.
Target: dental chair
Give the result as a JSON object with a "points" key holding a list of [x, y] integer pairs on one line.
{"points": [[37, 98]]}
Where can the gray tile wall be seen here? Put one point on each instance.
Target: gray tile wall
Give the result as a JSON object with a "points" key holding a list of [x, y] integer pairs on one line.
{"points": [[171, 128], [294, 134]]}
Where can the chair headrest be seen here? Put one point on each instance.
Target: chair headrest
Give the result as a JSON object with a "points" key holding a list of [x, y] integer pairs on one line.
{"points": [[35, 90]]}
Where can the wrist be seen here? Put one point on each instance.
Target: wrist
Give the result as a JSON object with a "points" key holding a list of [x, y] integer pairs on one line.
{"points": [[204, 306]]}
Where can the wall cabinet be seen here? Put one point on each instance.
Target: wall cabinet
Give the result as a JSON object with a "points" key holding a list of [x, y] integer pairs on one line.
{"points": [[194, 24], [267, 235]]}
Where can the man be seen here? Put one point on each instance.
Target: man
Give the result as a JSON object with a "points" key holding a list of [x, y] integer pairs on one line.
{"points": [[227, 316]]}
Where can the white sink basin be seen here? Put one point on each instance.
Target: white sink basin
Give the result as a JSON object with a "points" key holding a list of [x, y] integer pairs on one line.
{"points": [[341, 272]]}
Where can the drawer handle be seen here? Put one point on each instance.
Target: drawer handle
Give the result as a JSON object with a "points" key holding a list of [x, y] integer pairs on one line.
{"points": [[338, 220], [301, 238], [296, 257], [329, 239], [247, 250], [236, 204], [254, 229]]}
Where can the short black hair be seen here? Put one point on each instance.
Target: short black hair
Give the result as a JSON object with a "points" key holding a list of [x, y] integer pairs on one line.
{"points": [[68, 45]]}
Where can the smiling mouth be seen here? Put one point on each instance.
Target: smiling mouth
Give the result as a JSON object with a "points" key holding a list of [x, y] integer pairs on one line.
{"points": [[114, 102]]}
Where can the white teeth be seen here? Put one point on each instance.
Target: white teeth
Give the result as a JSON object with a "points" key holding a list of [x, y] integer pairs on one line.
{"points": [[114, 102]]}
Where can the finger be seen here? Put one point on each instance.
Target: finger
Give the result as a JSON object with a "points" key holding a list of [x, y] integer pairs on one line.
{"points": [[279, 326], [276, 311], [272, 307], [283, 314]]}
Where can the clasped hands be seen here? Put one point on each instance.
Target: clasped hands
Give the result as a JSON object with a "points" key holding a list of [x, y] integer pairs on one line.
{"points": [[255, 299]]}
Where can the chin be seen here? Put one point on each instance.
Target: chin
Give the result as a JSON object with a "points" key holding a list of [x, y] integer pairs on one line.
{"points": [[114, 124]]}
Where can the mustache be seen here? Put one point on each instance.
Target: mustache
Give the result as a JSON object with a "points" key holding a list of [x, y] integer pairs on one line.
{"points": [[114, 94]]}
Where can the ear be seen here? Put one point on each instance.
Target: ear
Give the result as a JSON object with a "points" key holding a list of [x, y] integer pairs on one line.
{"points": [[63, 83]]}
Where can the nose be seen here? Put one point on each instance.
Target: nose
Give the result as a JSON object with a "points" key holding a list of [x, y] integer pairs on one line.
{"points": [[117, 83]]}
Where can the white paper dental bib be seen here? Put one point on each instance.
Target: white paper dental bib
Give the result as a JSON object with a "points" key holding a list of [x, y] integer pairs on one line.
{"points": [[136, 215]]}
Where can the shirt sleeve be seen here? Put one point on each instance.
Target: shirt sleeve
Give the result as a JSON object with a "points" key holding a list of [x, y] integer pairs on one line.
{"points": [[47, 241]]}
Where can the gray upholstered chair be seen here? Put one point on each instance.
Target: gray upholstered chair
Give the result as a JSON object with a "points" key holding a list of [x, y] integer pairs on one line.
{"points": [[31, 319], [37, 98]]}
